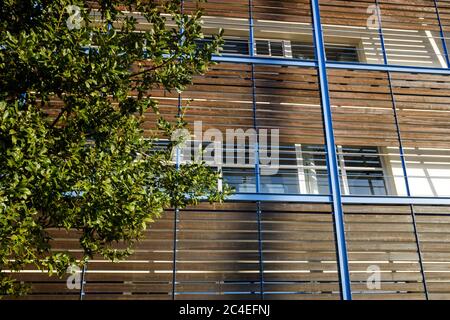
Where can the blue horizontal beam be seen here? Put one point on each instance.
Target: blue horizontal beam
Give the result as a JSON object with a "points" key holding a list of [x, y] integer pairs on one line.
{"points": [[390, 68], [279, 198], [380, 200], [331, 65], [264, 60], [395, 200]]}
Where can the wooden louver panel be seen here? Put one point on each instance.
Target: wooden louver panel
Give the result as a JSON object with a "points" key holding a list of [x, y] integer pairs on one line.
{"points": [[362, 108], [217, 252], [382, 237], [299, 252], [423, 104], [287, 99], [433, 225]]}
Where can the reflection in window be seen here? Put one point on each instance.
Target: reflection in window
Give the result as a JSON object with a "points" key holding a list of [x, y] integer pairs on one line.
{"points": [[299, 169], [231, 45], [285, 179], [313, 169], [242, 180], [287, 49], [270, 48], [305, 50], [362, 171], [334, 52]]}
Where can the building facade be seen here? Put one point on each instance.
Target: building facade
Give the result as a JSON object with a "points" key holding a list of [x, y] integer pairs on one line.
{"points": [[342, 178]]}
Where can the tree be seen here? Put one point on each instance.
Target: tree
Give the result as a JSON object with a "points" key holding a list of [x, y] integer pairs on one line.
{"points": [[89, 167]]}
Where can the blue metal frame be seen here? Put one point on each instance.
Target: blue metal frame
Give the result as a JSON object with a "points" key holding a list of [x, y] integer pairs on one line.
{"points": [[380, 33], [330, 65], [260, 250], [264, 60], [396, 200], [265, 197], [313, 198], [332, 160], [257, 164], [390, 68], [442, 34], [252, 54]]}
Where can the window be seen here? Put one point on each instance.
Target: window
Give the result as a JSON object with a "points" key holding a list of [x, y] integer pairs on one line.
{"points": [[270, 48], [361, 170], [341, 53], [312, 169], [299, 169], [305, 51], [334, 52], [284, 180], [287, 49], [230, 46], [243, 180]]}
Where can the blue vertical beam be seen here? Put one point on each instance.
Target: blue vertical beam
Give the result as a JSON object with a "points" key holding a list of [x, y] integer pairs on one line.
{"points": [[332, 160], [260, 250], [442, 34], [251, 48], [419, 252], [407, 185], [257, 166], [380, 33], [251, 40]]}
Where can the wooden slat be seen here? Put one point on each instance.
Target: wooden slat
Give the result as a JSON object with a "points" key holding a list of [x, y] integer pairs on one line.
{"points": [[383, 237], [299, 252], [362, 108], [225, 252], [423, 107]]}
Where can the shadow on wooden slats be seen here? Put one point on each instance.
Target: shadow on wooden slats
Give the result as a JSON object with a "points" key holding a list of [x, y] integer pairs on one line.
{"points": [[147, 274], [299, 252], [288, 99], [217, 252]]}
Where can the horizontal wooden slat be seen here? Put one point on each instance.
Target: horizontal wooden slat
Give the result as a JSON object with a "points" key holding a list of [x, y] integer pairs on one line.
{"points": [[381, 239]]}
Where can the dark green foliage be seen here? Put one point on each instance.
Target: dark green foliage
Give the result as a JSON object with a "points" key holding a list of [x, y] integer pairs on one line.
{"points": [[89, 168]]}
